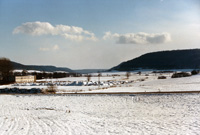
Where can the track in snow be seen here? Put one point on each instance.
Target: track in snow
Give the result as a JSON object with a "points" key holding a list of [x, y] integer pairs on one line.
{"points": [[100, 114]]}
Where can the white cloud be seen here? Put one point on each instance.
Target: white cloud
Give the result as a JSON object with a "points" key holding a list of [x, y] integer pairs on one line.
{"points": [[34, 28], [73, 37], [43, 49], [44, 28], [138, 38], [53, 48]]}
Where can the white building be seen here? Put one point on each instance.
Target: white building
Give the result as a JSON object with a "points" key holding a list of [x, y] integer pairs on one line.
{"points": [[23, 79]]}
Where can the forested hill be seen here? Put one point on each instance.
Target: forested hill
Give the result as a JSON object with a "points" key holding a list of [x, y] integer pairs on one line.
{"points": [[176, 59], [40, 68]]}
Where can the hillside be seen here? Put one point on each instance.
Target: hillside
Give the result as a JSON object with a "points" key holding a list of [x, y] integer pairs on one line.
{"points": [[87, 71], [40, 68], [176, 59]]}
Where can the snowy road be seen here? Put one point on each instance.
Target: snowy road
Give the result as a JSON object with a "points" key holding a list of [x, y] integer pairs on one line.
{"points": [[100, 114]]}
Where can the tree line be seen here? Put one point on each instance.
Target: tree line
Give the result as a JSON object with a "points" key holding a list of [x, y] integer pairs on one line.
{"points": [[6, 68], [43, 75], [8, 76]]}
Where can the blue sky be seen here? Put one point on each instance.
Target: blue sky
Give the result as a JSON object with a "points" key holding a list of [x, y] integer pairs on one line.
{"points": [[95, 34]]}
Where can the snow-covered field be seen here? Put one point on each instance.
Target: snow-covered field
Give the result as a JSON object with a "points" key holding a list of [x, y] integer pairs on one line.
{"points": [[152, 84], [147, 82], [104, 114], [100, 114]]}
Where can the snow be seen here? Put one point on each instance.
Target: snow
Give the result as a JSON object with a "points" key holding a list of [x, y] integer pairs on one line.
{"points": [[17, 70], [153, 84], [105, 78], [29, 71], [146, 82], [97, 114], [33, 71], [87, 114], [61, 72]]}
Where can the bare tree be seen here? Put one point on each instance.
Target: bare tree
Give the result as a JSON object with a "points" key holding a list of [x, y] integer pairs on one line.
{"points": [[88, 77], [99, 75], [24, 72], [128, 75], [5, 69], [51, 89]]}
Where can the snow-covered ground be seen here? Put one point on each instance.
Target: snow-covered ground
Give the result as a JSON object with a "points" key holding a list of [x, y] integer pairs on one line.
{"points": [[104, 114], [104, 78], [117, 82], [152, 84], [100, 115]]}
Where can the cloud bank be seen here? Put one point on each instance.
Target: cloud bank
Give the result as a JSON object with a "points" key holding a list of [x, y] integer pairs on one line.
{"points": [[45, 28], [138, 38], [79, 34]]}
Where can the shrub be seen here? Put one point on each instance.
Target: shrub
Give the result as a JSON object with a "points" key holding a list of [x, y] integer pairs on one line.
{"points": [[139, 73], [194, 72], [162, 77], [182, 74], [142, 80], [51, 89]]}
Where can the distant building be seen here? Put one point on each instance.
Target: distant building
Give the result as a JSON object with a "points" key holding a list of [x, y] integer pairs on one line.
{"points": [[23, 79]]}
